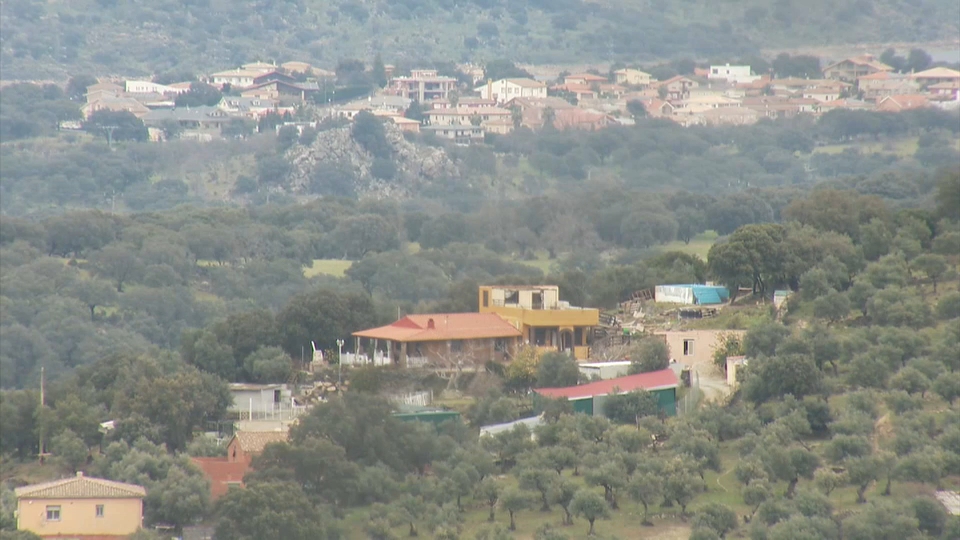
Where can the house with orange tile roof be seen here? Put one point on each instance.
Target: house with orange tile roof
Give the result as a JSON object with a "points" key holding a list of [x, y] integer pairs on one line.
{"points": [[885, 83], [658, 108], [902, 103], [80, 507], [532, 109], [577, 118], [579, 91], [405, 124], [632, 77], [227, 472], [851, 69], [936, 75], [678, 87], [944, 91], [443, 338], [611, 89]]}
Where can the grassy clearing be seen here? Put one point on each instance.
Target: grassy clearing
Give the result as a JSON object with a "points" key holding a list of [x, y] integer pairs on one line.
{"points": [[733, 318], [330, 267], [900, 147], [699, 245], [542, 263]]}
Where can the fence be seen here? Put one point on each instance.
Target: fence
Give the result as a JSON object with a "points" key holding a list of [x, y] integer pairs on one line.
{"points": [[273, 411], [418, 399], [379, 359], [692, 395]]}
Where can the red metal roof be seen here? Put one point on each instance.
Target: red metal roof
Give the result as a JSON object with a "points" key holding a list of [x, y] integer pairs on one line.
{"points": [[654, 380], [442, 327]]}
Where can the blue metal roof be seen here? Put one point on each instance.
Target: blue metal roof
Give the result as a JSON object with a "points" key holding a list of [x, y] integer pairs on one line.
{"points": [[707, 294]]}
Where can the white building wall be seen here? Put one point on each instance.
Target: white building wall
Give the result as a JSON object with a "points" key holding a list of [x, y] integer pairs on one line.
{"points": [[261, 400], [504, 90], [605, 370], [148, 87], [737, 74]]}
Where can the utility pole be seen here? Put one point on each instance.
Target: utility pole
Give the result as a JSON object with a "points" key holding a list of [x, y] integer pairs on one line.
{"points": [[113, 200], [109, 130], [339, 364]]}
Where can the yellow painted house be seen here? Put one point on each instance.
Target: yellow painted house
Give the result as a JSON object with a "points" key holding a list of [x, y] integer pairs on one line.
{"points": [[544, 320], [80, 508]]}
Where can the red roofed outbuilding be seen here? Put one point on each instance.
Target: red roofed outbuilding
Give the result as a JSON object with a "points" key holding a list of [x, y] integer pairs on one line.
{"points": [[589, 398], [227, 472]]}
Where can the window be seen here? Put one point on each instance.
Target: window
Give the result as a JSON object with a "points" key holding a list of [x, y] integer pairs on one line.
{"points": [[276, 396], [486, 298], [53, 513], [99, 510], [456, 346], [688, 347]]}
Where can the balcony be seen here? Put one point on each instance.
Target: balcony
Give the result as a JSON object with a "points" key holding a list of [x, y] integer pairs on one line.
{"points": [[558, 316]]}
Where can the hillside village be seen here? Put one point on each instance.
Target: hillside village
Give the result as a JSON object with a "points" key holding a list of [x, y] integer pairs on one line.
{"points": [[704, 300], [451, 109]]}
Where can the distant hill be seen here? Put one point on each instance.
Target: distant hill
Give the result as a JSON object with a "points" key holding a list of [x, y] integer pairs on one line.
{"points": [[51, 39]]}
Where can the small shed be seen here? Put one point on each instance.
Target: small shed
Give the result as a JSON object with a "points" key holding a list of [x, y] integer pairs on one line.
{"points": [[589, 398], [259, 400], [692, 294], [780, 298], [605, 370]]}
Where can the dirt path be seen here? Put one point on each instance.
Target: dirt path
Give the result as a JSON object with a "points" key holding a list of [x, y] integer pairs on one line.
{"points": [[712, 384]]}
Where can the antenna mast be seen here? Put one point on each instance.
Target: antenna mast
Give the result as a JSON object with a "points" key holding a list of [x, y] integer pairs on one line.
{"points": [[42, 405]]}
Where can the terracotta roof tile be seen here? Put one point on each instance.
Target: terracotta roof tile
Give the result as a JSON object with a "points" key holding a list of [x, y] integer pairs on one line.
{"points": [[81, 487], [442, 327], [254, 441], [587, 77], [527, 83], [654, 380], [222, 473], [937, 73]]}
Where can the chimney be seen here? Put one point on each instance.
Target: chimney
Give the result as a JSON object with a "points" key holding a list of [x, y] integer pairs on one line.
{"points": [[79, 474], [489, 88], [430, 324]]}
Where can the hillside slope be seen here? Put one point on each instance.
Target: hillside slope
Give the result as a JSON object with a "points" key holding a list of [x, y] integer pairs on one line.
{"points": [[135, 37]]}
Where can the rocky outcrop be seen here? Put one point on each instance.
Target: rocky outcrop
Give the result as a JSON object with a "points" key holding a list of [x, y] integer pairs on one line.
{"points": [[416, 165]]}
